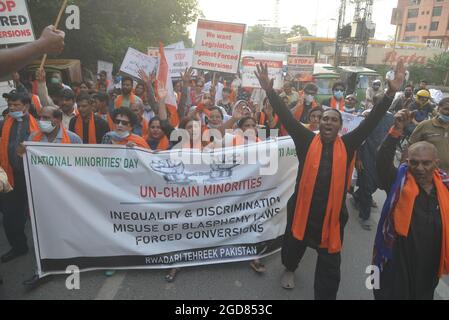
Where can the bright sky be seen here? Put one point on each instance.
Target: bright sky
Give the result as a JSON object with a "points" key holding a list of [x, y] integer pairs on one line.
{"points": [[315, 15]]}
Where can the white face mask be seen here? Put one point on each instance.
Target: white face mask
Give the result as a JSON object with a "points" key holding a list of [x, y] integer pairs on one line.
{"points": [[46, 126], [309, 98], [119, 135]]}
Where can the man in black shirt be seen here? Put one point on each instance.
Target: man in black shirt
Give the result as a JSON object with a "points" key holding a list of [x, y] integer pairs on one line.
{"points": [[319, 231], [82, 124], [412, 243]]}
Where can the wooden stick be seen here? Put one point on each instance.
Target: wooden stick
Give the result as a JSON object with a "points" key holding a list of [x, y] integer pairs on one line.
{"points": [[58, 19]]}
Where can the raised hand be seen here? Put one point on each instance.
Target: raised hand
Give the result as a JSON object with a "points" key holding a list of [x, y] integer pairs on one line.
{"points": [[51, 40], [40, 75], [401, 119], [262, 75], [142, 74], [187, 77], [399, 77], [162, 92]]}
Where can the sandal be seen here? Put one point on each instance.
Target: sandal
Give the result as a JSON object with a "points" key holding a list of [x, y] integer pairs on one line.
{"points": [[171, 275], [258, 266]]}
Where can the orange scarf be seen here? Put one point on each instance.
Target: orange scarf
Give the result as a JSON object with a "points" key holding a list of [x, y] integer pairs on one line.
{"points": [[65, 136], [163, 144], [79, 128], [119, 101], [108, 120], [403, 211], [330, 237], [138, 140], [263, 118], [4, 144], [144, 125], [341, 107], [299, 109], [36, 103]]}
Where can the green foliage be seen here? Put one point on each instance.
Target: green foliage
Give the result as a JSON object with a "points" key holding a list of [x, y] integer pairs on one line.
{"points": [[257, 40], [109, 27]]}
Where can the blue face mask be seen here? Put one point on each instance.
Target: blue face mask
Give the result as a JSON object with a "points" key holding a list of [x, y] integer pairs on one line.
{"points": [[339, 94], [443, 118], [18, 115], [118, 136]]}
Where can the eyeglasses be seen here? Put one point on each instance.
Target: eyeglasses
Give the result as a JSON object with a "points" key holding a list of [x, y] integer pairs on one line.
{"points": [[123, 122]]}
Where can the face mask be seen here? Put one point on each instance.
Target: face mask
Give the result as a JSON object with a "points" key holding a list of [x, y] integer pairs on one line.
{"points": [[18, 115], [444, 118], [338, 94], [118, 136], [309, 98], [46, 126], [55, 81]]}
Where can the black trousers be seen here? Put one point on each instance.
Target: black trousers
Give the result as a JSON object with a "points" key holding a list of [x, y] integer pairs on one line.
{"points": [[327, 270], [15, 209]]}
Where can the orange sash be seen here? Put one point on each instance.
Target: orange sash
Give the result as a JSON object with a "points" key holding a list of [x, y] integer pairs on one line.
{"points": [[36, 103], [163, 144], [403, 211], [263, 118], [119, 100], [108, 120], [79, 125], [138, 140], [144, 125], [299, 109], [4, 145], [65, 136], [341, 107], [330, 237]]}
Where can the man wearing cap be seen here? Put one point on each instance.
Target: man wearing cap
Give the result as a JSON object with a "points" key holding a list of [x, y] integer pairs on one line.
{"points": [[14, 130], [371, 92], [89, 127], [51, 129]]}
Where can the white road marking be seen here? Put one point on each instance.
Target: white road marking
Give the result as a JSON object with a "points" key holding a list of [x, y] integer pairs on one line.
{"points": [[443, 290], [111, 286]]}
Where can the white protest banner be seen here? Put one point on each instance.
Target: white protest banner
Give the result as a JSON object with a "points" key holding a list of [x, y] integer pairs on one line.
{"points": [[300, 68], [350, 122], [178, 61], [218, 46], [136, 60], [112, 207], [249, 79], [15, 22], [105, 66], [178, 46], [5, 87]]}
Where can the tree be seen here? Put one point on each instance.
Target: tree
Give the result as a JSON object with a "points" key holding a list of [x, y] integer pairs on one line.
{"points": [[109, 27], [254, 38], [440, 67], [298, 30]]}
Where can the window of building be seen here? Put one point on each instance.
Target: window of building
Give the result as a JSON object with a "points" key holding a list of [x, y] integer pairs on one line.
{"points": [[434, 26], [410, 27], [428, 12], [411, 39], [436, 12], [419, 27], [413, 13], [414, 2]]}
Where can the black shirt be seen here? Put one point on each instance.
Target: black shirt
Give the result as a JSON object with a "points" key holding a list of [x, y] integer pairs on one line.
{"points": [[101, 128], [302, 138], [412, 273]]}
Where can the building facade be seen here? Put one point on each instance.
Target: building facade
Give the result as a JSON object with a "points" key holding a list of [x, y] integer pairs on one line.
{"points": [[423, 21]]}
